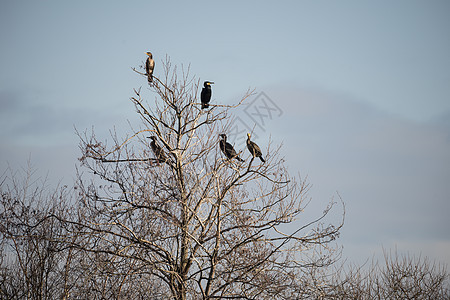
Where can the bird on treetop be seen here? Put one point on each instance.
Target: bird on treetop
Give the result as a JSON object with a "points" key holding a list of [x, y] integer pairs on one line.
{"points": [[227, 148], [157, 150], [205, 96], [149, 66], [254, 148]]}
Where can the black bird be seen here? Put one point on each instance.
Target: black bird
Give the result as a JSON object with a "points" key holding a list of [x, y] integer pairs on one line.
{"points": [[254, 149], [227, 148], [157, 150], [149, 66], [205, 96]]}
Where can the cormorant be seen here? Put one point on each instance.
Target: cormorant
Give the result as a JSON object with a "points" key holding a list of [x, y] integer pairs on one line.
{"points": [[227, 148], [254, 149], [157, 150], [149, 66], [205, 96]]}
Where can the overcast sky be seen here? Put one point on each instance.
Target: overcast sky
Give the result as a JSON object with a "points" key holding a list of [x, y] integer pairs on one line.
{"points": [[361, 88]]}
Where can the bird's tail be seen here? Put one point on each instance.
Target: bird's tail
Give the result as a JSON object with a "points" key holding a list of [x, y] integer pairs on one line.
{"points": [[262, 159], [150, 78], [205, 105], [239, 159]]}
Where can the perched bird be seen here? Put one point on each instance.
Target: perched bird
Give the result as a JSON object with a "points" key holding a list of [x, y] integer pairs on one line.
{"points": [[157, 150], [227, 148], [254, 149], [149, 66], [205, 96]]}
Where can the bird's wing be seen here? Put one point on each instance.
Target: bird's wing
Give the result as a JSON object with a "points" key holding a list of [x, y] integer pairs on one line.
{"points": [[149, 65], [257, 149], [230, 149], [203, 94], [254, 148]]}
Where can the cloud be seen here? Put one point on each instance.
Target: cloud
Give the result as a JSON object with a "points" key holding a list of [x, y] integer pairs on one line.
{"points": [[43, 118], [391, 172], [39, 127]]}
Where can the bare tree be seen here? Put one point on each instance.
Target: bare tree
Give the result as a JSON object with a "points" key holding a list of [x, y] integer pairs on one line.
{"points": [[195, 225], [409, 277], [35, 263], [397, 277], [172, 217]]}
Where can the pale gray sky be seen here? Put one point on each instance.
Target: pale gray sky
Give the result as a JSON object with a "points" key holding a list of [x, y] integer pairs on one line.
{"points": [[363, 86]]}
